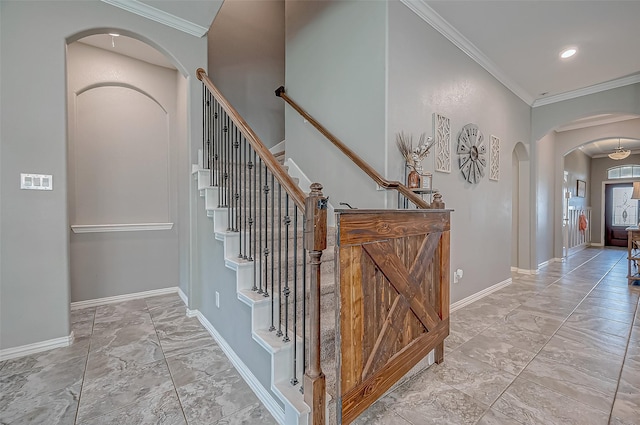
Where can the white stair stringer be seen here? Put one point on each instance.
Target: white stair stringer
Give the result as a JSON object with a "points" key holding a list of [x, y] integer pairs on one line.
{"points": [[296, 411]]}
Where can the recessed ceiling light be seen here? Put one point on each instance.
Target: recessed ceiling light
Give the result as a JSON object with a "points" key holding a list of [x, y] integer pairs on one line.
{"points": [[114, 34], [568, 53]]}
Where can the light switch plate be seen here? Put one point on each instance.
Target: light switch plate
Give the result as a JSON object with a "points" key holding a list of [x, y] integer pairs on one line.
{"points": [[36, 181]]}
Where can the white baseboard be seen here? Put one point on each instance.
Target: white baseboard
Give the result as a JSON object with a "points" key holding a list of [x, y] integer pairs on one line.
{"points": [[478, 295], [265, 397], [524, 271], [578, 248], [126, 297], [183, 296], [596, 244], [25, 350], [546, 263]]}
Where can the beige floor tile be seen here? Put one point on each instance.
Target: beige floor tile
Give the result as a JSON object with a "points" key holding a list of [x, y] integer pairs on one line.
{"points": [[497, 353], [530, 403]]}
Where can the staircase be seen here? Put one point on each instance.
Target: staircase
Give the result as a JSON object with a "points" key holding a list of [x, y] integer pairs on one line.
{"points": [[296, 411], [392, 301]]}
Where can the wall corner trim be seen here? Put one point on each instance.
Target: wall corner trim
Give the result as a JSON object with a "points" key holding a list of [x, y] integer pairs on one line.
{"points": [[157, 15], [37, 347], [128, 227], [260, 391], [183, 296], [478, 295]]}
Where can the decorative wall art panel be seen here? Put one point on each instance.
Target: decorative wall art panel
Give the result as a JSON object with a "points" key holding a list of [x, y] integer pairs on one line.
{"points": [[442, 126], [494, 159], [471, 153]]}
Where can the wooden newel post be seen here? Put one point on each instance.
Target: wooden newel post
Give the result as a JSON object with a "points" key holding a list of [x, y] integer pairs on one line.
{"points": [[315, 241]]}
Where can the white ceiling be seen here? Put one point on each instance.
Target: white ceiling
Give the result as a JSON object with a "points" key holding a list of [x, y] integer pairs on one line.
{"points": [[520, 41]]}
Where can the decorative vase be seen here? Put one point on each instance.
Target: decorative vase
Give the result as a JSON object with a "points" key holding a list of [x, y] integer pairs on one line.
{"points": [[413, 180]]}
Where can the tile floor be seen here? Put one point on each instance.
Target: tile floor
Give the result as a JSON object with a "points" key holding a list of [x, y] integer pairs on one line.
{"points": [[133, 363], [560, 347]]}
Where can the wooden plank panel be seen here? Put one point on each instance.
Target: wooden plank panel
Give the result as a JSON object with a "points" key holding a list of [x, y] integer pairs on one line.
{"points": [[370, 290], [357, 400], [414, 249], [397, 274], [383, 349], [443, 290], [369, 302], [369, 227], [351, 324]]}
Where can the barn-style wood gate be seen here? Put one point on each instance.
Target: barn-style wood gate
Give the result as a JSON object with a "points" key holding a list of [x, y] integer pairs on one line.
{"points": [[393, 274]]}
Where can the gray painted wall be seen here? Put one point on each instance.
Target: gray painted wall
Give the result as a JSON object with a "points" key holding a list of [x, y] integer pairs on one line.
{"points": [[123, 167], [335, 70], [246, 62], [545, 206], [34, 276], [428, 74], [578, 166]]}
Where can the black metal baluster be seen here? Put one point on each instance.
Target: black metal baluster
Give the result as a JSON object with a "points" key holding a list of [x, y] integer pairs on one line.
{"points": [[294, 380], [216, 148], [220, 156], [260, 226], [252, 220], [273, 254], [244, 199], [227, 173], [236, 185], [205, 92], [236, 194], [208, 160], [279, 333], [266, 230], [304, 309], [285, 291], [232, 182], [239, 204]]}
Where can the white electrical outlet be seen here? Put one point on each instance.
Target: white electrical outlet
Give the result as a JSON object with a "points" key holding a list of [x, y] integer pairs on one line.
{"points": [[457, 275], [217, 299]]}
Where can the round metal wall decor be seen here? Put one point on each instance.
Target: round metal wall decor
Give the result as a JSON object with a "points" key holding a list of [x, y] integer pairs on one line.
{"points": [[471, 153]]}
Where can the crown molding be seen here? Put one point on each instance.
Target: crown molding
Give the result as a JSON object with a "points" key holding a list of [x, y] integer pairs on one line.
{"points": [[150, 12], [430, 16], [596, 88]]}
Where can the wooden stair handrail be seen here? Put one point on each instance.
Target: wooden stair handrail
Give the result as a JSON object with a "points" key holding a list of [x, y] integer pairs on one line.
{"points": [[296, 194], [355, 158]]}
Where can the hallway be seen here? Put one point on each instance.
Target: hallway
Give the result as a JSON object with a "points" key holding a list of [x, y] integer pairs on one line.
{"points": [[560, 347]]}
